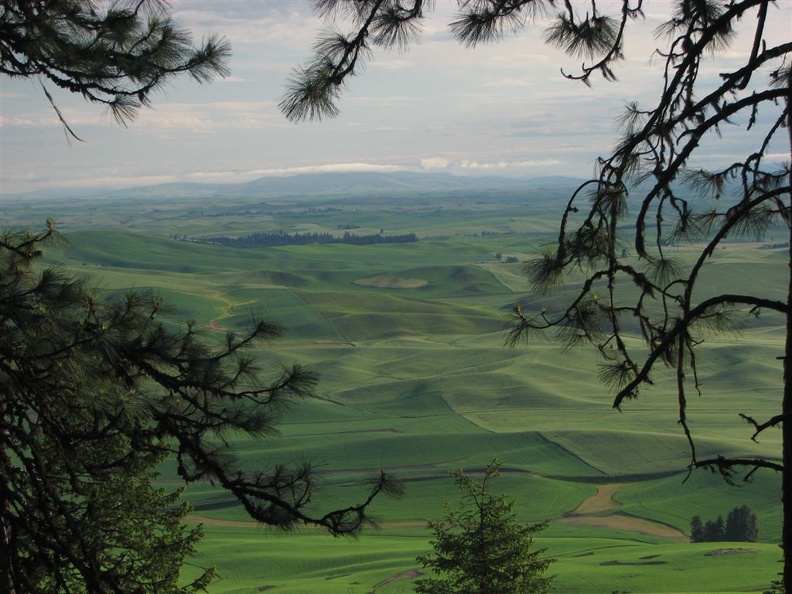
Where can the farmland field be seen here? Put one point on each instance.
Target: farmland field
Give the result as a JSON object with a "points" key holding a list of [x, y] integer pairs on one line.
{"points": [[415, 380]]}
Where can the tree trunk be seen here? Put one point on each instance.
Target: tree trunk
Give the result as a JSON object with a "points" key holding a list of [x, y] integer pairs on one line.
{"points": [[786, 408], [6, 579], [786, 440]]}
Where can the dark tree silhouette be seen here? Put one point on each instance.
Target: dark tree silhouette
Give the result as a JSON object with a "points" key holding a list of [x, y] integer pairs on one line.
{"points": [[714, 530], [652, 169], [741, 525], [480, 547], [115, 54], [272, 239], [95, 394], [696, 529]]}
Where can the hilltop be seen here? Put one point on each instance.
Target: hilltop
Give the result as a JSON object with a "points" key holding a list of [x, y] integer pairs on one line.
{"points": [[316, 185]]}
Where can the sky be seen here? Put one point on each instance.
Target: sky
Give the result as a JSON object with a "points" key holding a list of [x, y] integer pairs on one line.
{"points": [[502, 109]]}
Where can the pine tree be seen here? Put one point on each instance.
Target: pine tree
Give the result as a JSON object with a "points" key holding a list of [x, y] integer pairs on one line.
{"points": [[741, 525], [714, 530], [95, 393], [116, 54], [481, 547], [696, 529]]}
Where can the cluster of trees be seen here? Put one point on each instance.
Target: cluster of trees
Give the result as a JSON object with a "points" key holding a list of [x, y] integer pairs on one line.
{"points": [[741, 526], [280, 238], [508, 260]]}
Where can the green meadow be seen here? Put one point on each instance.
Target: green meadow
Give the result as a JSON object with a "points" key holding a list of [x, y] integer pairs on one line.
{"points": [[408, 340]]}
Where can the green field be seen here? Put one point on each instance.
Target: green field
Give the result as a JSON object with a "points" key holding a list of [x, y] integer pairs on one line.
{"points": [[408, 341]]}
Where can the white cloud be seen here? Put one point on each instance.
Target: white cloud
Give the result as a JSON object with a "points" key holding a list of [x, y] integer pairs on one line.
{"points": [[391, 64], [327, 168], [115, 178], [260, 23], [206, 117], [507, 166], [435, 163], [8, 122], [31, 182], [10, 95], [777, 157]]}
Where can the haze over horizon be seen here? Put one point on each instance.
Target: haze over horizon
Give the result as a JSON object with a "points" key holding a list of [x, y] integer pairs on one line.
{"points": [[501, 109]]}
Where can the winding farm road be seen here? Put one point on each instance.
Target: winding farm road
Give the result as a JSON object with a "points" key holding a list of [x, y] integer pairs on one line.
{"points": [[600, 510]]}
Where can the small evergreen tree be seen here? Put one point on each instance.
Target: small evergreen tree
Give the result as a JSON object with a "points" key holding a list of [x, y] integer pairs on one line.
{"points": [[741, 525], [696, 529], [481, 547], [714, 530]]}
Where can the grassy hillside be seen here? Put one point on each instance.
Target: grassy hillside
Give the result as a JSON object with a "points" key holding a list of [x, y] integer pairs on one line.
{"points": [[408, 340]]}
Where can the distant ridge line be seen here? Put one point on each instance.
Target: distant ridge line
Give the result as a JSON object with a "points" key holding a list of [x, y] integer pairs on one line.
{"points": [[322, 183]]}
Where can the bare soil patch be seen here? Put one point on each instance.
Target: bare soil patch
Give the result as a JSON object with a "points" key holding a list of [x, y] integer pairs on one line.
{"points": [[601, 511], [410, 574], [622, 521], [390, 430], [729, 551], [228, 311], [207, 521], [606, 563], [335, 342], [601, 501]]}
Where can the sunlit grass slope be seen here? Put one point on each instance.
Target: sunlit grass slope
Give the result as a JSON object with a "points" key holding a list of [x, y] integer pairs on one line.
{"points": [[254, 560], [415, 380]]}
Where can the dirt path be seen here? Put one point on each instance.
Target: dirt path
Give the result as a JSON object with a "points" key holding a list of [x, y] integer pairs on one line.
{"points": [[227, 311], [210, 521], [601, 501], [410, 574], [601, 511]]}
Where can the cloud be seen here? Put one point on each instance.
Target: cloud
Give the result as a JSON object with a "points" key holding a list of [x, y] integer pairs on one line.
{"points": [[6, 95], [507, 166], [32, 182], [327, 168], [777, 157], [111, 178], [500, 108], [391, 64], [80, 118], [477, 166], [274, 24], [16, 121], [208, 117], [435, 163]]}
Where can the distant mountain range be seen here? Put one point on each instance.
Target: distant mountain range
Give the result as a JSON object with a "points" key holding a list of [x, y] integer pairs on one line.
{"points": [[327, 184], [335, 183]]}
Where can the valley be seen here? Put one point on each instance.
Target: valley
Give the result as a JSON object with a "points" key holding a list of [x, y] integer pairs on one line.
{"points": [[408, 341]]}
